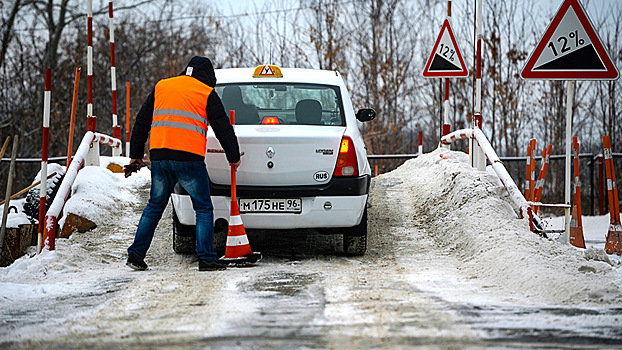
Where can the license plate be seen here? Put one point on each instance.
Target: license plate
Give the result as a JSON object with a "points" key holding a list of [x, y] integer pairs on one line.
{"points": [[272, 205]]}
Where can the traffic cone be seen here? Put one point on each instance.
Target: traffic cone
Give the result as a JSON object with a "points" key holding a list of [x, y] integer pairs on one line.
{"points": [[614, 235], [238, 250], [576, 230]]}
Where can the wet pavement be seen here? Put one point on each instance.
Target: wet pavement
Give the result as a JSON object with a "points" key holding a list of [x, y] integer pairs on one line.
{"points": [[406, 292]]}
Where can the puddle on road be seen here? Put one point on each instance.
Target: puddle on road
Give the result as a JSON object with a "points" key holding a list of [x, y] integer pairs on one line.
{"points": [[282, 283]]}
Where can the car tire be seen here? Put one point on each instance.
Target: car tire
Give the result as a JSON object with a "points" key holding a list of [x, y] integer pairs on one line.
{"points": [[221, 230], [184, 237], [31, 204], [355, 239]]}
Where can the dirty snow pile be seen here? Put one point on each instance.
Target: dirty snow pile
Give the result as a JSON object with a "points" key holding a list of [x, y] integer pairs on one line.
{"points": [[469, 213]]}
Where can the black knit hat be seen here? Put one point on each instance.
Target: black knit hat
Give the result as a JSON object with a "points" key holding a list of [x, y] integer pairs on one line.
{"points": [[202, 69]]}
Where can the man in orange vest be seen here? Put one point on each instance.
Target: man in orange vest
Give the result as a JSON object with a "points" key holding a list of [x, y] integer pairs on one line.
{"points": [[177, 114]]}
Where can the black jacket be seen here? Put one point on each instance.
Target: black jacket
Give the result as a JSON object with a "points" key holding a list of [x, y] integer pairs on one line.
{"points": [[203, 71]]}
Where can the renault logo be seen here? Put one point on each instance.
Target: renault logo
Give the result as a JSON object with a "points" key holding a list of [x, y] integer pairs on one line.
{"points": [[270, 152]]}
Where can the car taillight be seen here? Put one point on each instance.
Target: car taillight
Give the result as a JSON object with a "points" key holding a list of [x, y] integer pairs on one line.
{"points": [[270, 120], [347, 164]]}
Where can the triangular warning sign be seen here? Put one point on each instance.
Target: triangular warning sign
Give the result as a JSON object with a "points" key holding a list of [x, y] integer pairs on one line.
{"points": [[570, 49], [446, 59], [267, 70]]}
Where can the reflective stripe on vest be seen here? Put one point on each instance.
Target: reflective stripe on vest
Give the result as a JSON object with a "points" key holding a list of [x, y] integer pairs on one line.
{"points": [[181, 114], [181, 126], [179, 117]]}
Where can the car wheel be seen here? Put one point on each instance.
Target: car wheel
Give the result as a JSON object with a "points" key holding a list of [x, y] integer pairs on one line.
{"points": [[221, 230], [184, 237], [355, 239], [31, 205]]}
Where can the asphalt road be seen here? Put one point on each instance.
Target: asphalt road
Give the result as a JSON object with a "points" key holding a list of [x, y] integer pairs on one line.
{"points": [[404, 293]]}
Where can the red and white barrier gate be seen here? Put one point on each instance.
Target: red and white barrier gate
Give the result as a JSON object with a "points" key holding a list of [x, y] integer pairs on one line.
{"points": [[51, 218], [517, 197]]}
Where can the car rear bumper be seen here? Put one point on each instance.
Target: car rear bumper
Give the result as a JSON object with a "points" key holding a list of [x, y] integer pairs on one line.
{"points": [[317, 212], [337, 186]]}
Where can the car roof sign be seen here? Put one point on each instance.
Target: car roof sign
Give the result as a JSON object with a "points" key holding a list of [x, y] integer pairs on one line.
{"points": [[267, 71]]}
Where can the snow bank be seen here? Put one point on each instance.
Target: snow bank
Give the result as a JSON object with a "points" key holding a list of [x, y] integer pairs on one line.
{"points": [[97, 190], [468, 212]]}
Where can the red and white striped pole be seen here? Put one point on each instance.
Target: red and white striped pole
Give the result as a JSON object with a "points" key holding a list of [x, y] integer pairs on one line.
{"points": [[47, 96], [532, 170], [546, 156], [420, 143], [92, 157], [479, 159], [576, 223], [446, 126], [527, 172], [613, 243], [116, 128], [72, 121], [91, 121], [127, 119]]}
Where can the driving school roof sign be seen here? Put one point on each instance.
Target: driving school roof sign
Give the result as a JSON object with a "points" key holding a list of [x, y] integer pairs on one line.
{"points": [[570, 49], [446, 60]]}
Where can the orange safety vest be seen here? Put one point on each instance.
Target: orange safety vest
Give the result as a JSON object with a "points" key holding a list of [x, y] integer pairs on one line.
{"points": [[179, 115]]}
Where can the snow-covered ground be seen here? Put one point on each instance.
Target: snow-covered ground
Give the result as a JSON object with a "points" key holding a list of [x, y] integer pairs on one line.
{"points": [[448, 265]]}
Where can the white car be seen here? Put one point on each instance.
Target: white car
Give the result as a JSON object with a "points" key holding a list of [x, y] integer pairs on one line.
{"points": [[304, 163]]}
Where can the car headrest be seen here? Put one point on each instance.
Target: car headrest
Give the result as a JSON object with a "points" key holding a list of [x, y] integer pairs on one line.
{"points": [[308, 112]]}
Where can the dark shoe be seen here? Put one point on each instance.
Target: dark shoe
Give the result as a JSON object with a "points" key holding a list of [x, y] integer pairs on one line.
{"points": [[136, 263], [205, 265]]}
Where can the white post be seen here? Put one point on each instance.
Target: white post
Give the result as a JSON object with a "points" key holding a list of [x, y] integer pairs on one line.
{"points": [[569, 103]]}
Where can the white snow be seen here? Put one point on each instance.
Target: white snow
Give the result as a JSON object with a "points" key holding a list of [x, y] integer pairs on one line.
{"points": [[471, 216]]}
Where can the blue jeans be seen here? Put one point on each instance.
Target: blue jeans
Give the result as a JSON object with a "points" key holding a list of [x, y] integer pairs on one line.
{"points": [[192, 176]]}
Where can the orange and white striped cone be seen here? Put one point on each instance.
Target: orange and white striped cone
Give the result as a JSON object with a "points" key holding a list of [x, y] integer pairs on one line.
{"points": [[238, 250], [576, 230]]}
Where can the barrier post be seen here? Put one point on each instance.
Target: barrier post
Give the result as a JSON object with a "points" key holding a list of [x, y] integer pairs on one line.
{"points": [[601, 186], [127, 119], [420, 148], [546, 156], [91, 120], [479, 156], [613, 243], [532, 170], [116, 128], [569, 103], [74, 103], [527, 171], [47, 96], [92, 157], [576, 227]]}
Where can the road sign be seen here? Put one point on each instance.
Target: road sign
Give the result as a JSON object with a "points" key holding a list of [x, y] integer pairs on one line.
{"points": [[446, 60], [570, 49]]}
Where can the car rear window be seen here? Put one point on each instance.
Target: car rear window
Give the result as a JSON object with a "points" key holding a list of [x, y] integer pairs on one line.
{"points": [[283, 103]]}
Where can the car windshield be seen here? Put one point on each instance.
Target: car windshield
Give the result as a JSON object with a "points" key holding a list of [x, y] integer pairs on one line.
{"points": [[283, 103]]}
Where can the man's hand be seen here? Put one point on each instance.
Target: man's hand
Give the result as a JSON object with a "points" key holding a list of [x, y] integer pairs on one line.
{"points": [[236, 165], [134, 166]]}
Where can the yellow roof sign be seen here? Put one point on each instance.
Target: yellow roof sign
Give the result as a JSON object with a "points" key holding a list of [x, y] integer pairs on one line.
{"points": [[267, 71]]}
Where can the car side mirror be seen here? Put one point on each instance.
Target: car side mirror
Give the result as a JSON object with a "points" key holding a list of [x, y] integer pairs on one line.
{"points": [[365, 114]]}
